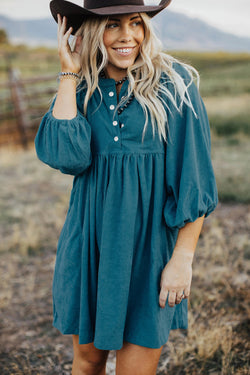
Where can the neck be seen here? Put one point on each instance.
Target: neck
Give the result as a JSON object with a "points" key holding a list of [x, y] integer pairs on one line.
{"points": [[116, 75]]}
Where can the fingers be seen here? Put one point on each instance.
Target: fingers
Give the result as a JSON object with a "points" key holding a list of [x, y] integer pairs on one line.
{"points": [[59, 27], [186, 293], [62, 34], [70, 60], [78, 44], [163, 296], [175, 283], [174, 298], [179, 297]]}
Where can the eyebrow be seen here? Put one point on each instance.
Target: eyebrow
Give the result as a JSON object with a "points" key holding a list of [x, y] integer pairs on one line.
{"points": [[117, 19]]}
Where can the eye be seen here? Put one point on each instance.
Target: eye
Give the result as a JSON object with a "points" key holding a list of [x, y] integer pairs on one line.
{"points": [[111, 25], [137, 23]]}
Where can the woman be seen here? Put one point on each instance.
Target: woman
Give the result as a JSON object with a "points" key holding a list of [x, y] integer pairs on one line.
{"points": [[129, 124]]}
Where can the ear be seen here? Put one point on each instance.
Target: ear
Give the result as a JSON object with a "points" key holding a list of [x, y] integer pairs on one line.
{"points": [[78, 44]]}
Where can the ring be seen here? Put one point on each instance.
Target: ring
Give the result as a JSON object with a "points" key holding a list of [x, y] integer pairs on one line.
{"points": [[180, 297]]}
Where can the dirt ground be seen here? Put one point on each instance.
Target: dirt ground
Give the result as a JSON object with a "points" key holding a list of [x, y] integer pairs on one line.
{"points": [[217, 341]]}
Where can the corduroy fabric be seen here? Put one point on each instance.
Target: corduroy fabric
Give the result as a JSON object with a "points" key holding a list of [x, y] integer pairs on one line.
{"points": [[128, 201]]}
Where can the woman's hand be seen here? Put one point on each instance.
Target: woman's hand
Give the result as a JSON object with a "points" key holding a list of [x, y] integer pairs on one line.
{"points": [[176, 278], [70, 60]]}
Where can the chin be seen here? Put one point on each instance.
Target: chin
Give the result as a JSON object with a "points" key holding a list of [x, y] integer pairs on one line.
{"points": [[124, 65]]}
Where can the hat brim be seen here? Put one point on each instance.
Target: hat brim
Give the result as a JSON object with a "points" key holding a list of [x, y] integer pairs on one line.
{"points": [[76, 14]]}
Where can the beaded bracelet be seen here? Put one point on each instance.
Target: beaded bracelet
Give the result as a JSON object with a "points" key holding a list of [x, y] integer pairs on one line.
{"points": [[68, 75]]}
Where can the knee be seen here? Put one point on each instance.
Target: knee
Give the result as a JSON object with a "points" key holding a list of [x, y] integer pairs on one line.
{"points": [[87, 365], [84, 366], [88, 360]]}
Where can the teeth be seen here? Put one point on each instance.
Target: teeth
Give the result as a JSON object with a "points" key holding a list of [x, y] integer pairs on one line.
{"points": [[124, 50]]}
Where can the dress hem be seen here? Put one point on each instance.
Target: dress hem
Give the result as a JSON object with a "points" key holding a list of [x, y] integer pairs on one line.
{"points": [[127, 338]]}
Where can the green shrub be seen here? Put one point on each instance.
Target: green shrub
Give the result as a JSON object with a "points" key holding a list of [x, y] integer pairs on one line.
{"points": [[225, 126]]}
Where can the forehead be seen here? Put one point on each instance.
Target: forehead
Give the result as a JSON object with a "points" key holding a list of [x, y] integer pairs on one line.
{"points": [[119, 17]]}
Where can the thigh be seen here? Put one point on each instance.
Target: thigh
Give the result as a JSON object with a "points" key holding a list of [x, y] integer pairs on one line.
{"points": [[89, 352], [137, 360]]}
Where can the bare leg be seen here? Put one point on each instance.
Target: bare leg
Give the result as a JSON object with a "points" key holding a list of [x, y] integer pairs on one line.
{"points": [[137, 360], [88, 360]]}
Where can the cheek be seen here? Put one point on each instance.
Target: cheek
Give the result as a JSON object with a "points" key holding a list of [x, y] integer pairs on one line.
{"points": [[108, 39], [140, 35]]}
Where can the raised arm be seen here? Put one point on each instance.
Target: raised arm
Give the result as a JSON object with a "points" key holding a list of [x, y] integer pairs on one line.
{"points": [[63, 140], [65, 104]]}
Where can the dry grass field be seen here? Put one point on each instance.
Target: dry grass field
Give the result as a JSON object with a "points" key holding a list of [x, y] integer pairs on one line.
{"points": [[34, 201], [33, 205]]}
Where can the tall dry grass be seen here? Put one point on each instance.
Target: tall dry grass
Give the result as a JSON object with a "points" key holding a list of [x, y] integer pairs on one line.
{"points": [[33, 205], [34, 200]]}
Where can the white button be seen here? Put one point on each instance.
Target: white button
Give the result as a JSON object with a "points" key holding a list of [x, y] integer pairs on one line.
{"points": [[111, 93], [115, 123], [122, 125], [116, 139], [112, 107]]}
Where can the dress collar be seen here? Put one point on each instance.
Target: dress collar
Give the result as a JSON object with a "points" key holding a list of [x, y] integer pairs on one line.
{"points": [[110, 82]]}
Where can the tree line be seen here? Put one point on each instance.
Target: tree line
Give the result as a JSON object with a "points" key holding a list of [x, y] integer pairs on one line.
{"points": [[3, 37]]}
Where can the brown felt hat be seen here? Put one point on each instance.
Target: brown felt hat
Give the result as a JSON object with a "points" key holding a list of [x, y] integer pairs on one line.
{"points": [[76, 14]]}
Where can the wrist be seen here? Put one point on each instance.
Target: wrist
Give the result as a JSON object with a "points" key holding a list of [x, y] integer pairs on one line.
{"points": [[184, 252], [68, 77], [67, 83], [70, 70]]}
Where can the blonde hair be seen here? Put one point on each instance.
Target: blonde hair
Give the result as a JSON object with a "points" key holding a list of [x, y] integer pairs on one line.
{"points": [[145, 76]]}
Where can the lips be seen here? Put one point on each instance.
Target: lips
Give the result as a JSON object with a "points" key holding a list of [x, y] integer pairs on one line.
{"points": [[124, 51]]}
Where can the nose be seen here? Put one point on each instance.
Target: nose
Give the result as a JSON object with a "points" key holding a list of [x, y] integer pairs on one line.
{"points": [[125, 34]]}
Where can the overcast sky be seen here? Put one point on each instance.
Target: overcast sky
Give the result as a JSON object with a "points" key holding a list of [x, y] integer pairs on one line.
{"points": [[228, 15]]}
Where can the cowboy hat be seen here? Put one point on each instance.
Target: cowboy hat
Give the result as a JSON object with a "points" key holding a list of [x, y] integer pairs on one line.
{"points": [[75, 14]]}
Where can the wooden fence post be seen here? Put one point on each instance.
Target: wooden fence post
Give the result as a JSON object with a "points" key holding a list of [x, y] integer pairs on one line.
{"points": [[19, 105]]}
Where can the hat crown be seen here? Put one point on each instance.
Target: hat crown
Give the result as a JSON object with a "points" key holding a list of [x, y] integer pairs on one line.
{"points": [[94, 4]]}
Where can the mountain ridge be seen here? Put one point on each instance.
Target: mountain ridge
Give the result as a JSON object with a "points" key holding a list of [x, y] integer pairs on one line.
{"points": [[189, 34]]}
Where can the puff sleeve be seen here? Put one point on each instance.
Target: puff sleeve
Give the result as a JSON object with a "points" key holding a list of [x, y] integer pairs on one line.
{"points": [[64, 144], [190, 180]]}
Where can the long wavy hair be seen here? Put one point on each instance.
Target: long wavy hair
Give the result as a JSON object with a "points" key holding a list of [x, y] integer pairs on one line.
{"points": [[145, 75]]}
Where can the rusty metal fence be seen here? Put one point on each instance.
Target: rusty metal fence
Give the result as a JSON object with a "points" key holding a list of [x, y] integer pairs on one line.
{"points": [[23, 102]]}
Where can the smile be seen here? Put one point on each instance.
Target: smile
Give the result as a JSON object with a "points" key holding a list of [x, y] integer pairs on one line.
{"points": [[124, 51]]}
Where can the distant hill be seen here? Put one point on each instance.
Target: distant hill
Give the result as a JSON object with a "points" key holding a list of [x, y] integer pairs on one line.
{"points": [[181, 32], [178, 32], [30, 32]]}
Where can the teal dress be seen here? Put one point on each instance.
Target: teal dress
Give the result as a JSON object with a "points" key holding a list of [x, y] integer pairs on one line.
{"points": [[128, 201]]}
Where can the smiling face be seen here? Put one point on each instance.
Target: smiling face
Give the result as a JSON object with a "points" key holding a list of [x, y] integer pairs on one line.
{"points": [[122, 38]]}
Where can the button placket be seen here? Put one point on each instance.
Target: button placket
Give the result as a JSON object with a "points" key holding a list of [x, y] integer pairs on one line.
{"points": [[117, 134], [115, 120], [122, 95]]}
